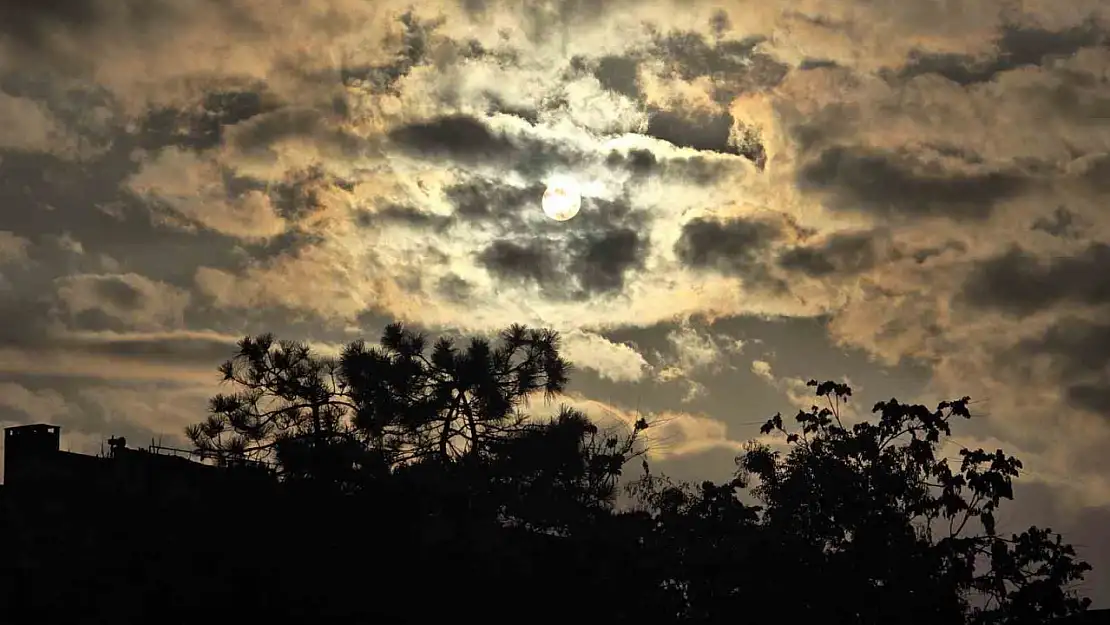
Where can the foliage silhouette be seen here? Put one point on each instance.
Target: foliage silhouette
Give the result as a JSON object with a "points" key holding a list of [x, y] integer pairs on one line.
{"points": [[870, 496], [855, 511], [395, 400], [405, 483]]}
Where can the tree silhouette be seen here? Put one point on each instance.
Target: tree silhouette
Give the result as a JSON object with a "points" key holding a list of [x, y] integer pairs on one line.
{"points": [[900, 530], [375, 408], [438, 439], [558, 475], [408, 485], [869, 517]]}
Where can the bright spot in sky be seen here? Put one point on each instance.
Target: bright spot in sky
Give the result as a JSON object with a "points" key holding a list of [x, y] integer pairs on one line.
{"points": [[562, 199]]}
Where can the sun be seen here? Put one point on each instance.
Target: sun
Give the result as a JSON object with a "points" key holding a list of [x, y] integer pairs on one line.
{"points": [[562, 199]]}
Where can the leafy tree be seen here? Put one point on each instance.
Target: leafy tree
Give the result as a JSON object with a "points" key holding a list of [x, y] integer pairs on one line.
{"points": [[703, 548], [375, 408], [868, 521], [437, 443], [903, 534], [562, 474]]}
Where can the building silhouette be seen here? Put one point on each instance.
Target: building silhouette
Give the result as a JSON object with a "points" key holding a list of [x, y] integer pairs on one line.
{"points": [[35, 462]]}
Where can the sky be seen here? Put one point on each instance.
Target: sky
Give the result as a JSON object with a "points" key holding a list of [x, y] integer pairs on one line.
{"points": [[910, 196]]}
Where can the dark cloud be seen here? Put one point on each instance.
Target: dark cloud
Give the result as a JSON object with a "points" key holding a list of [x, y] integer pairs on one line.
{"points": [[46, 197], [571, 262], [879, 182], [118, 292], [639, 162], [20, 17], [1093, 398], [734, 65], [736, 247], [698, 170], [597, 216], [30, 25], [620, 74], [455, 288], [819, 129], [515, 211], [31, 321], [1097, 174], [852, 253], [260, 132], [1080, 347], [811, 64], [497, 106], [412, 45], [408, 215], [88, 199], [468, 141], [29, 326], [168, 349], [923, 255], [585, 256], [1020, 283], [749, 144], [841, 254], [699, 132], [457, 136], [1078, 98], [81, 220], [601, 261], [1061, 223], [59, 34], [25, 322], [719, 23], [529, 261], [545, 21], [475, 7], [201, 127], [485, 200], [1081, 350], [1016, 47], [297, 195]]}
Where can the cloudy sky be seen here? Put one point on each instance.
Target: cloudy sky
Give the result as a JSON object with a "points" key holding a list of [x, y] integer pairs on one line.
{"points": [[910, 195]]}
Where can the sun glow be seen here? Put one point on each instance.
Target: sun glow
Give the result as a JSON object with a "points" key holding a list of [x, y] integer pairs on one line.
{"points": [[562, 199]]}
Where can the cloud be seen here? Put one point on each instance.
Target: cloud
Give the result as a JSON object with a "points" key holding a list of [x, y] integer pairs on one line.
{"points": [[585, 265], [151, 410], [195, 190], [841, 253], [1017, 46], [44, 406], [1021, 283], [797, 391], [1079, 350], [692, 353], [13, 248], [614, 361], [28, 126], [96, 301], [875, 181], [669, 434], [736, 247]]}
